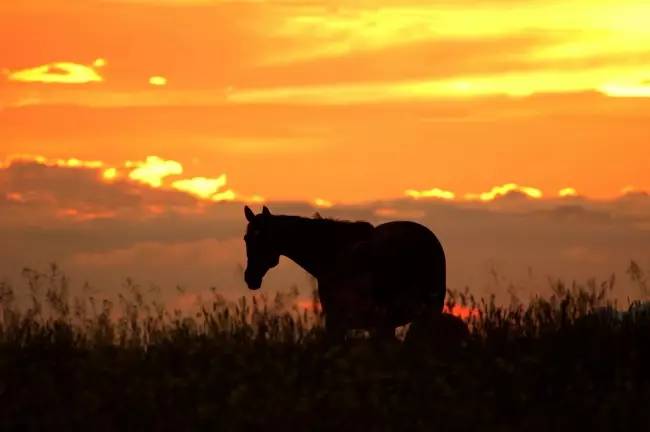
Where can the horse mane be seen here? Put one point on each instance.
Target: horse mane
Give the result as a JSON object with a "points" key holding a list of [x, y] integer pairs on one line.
{"points": [[338, 228], [347, 225]]}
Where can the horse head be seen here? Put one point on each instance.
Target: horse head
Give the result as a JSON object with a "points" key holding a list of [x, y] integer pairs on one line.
{"points": [[260, 250]]}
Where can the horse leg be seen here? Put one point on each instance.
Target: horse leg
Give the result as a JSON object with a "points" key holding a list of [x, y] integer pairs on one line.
{"points": [[439, 331], [422, 328]]}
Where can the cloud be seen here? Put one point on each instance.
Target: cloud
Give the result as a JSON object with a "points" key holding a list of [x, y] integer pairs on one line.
{"points": [[504, 190], [209, 188], [461, 86], [31, 179], [626, 90], [42, 160], [567, 192], [158, 81], [153, 170], [59, 73], [201, 186], [60, 186], [110, 173], [431, 193], [228, 195], [84, 190], [436, 58], [264, 46]]}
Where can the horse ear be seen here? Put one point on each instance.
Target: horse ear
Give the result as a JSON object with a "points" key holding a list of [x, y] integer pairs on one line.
{"points": [[266, 211], [249, 214]]}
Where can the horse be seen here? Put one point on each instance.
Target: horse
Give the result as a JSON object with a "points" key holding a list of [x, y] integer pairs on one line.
{"points": [[373, 278]]}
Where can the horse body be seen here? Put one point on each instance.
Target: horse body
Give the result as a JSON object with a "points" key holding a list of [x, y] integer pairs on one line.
{"points": [[386, 280], [374, 278]]}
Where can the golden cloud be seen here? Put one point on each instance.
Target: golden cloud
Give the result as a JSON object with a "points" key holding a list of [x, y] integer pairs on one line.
{"points": [[568, 192], [158, 81], [228, 195], [626, 90], [431, 193], [59, 162], [109, 173], [60, 73], [202, 187], [153, 170], [498, 191], [513, 84]]}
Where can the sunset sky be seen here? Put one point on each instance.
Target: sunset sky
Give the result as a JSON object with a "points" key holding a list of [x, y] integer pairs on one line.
{"points": [[342, 101], [128, 111]]}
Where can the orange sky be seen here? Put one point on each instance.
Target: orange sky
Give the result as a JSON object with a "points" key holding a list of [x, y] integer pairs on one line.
{"points": [[338, 100]]}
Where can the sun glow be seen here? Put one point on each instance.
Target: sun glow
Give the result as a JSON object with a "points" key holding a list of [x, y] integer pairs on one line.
{"points": [[323, 203]]}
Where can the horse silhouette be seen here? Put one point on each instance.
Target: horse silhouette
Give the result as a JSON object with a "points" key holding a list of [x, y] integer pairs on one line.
{"points": [[369, 277]]}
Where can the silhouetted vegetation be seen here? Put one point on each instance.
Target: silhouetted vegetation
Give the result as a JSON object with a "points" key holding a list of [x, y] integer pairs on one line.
{"points": [[571, 360]]}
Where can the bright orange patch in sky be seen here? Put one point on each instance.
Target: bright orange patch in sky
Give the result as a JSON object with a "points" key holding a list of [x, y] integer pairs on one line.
{"points": [[357, 101], [463, 312]]}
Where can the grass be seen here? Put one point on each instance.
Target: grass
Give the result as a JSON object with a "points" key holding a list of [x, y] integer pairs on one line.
{"points": [[572, 360]]}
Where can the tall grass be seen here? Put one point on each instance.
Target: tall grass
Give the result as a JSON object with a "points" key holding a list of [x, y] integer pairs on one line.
{"points": [[572, 359]]}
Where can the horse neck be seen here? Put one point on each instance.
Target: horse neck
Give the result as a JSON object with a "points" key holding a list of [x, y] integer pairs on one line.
{"points": [[301, 240]]}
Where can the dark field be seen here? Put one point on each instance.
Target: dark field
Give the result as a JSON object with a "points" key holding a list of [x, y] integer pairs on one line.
{"points": [[570, 361]]}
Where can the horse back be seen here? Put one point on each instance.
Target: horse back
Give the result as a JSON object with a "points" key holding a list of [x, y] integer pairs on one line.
{"points": [[407, 244]]}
